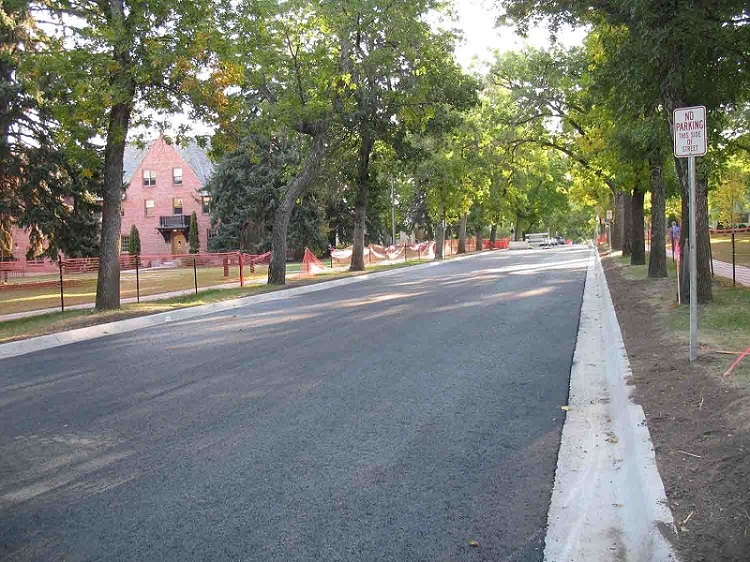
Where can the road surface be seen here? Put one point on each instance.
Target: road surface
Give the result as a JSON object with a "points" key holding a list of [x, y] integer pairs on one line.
{"points": [[400, 418]]}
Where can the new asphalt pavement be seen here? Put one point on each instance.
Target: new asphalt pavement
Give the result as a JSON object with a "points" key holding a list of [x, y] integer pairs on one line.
{"points": [[412, 416]]}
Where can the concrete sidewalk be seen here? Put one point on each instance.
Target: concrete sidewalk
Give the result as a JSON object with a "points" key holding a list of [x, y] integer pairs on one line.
{"points": [[724, 269], [608, 503]]}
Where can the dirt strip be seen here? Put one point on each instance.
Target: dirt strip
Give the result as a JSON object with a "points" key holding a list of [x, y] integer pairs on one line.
{"points": [[699, 423]]}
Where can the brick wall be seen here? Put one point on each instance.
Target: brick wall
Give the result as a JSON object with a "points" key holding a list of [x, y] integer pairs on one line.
{"points": [[20, 242], [162, 159]]}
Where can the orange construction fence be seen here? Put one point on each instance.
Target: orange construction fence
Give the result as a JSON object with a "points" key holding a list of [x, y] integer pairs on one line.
{"points": [[27, 285]]}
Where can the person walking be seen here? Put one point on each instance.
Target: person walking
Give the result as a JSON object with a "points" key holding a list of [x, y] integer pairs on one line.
{"points": [[674, 236]]}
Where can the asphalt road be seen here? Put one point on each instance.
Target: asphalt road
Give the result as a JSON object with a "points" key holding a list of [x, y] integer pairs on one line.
{"points": [[395, 419]]}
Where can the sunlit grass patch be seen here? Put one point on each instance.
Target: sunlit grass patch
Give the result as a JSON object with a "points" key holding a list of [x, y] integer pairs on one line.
{"points": [[721, 248], [71, 319], [723, 324]]}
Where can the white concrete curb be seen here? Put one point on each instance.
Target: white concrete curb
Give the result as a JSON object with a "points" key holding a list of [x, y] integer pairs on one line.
{"points": [[31, 345], [608, 503]]}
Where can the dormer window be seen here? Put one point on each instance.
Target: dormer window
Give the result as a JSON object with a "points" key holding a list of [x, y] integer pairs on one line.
{"points": [[177, 176], [149, 178]]}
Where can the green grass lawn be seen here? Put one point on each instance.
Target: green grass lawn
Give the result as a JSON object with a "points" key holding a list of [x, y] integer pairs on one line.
{"points": [[723, 324], [80, 288], [72, 319], [152, 282], [721, 247]]}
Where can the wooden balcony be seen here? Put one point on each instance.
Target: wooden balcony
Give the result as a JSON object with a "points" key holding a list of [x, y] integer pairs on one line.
{"points": [[174, 222]]}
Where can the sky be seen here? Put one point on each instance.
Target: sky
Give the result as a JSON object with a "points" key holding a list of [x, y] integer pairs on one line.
{"points": [[476, 18]]}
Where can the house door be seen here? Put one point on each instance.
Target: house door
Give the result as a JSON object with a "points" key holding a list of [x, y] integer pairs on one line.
{"points": [[179, 243]]}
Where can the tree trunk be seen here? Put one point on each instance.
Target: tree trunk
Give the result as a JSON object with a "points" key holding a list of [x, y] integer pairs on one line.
{"points": [[638, 242], [121, 88], [479, 243], [108, 280], [657, 260], [277, 267], [627, 235], [462, 234], [518, 234], [440, 237], [621, 233], [616, 231], [360, 206], [703, 248]]}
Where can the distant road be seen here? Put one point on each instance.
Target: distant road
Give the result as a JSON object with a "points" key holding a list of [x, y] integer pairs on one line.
{"points": [[394, 419]]}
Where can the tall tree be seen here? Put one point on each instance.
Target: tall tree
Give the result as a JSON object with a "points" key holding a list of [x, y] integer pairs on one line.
{"points": [[134, 241], [661, 39], [640, 136], [49, 176], [123, 59], [246, 189], [731, 196], [293, 76], [554, 109], [194, 242], [401, 70]]}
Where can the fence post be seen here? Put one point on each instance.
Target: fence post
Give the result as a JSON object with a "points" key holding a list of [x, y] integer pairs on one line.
{"points": [[195, 275], [62, 292], [734, 262], [242, 277], [137, 279]]}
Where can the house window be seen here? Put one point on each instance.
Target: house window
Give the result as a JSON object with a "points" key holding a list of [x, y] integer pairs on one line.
{"points": [[149, 207], [176, 206], [211, 233], [124, 243], [177, 176], [206, 204], [149, 178]]}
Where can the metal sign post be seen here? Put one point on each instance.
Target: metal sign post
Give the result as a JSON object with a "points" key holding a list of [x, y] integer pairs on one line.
{"points": [[693, 247], [690, 140]]}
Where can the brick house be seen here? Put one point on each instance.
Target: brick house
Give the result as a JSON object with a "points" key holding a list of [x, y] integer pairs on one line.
{"points": [[164, 185], [19, 244]]}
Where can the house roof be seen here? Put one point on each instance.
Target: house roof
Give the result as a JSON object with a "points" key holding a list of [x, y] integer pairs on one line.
{"points": [[197, 159], [133, 158], [193, 155]]}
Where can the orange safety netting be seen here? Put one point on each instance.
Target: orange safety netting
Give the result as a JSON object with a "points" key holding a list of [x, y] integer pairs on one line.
{"points": [[375, 253], [311, 265]]}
